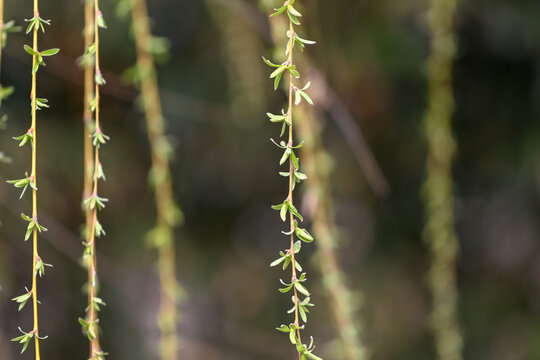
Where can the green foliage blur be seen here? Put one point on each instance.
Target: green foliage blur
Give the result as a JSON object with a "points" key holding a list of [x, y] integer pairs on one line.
{"points": [[215, 94]]}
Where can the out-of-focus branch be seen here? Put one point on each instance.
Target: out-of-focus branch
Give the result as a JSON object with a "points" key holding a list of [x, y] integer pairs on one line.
{"points": [[168, 214], [439, 233], [321, 211]]}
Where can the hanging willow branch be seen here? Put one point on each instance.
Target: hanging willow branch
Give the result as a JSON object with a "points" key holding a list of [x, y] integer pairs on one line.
{"points": [[439, 231], [36, 23], [294, 176], [347, 322], [87, 63], [169, 215], [93, 202], [319, 193]]}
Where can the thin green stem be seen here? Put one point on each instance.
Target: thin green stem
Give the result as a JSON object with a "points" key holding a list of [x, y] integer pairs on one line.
{"points": [[168, 214], [439, 232], [291, 183], [294, 176], [87, 115], [95, 349], [318, 164], [34, 193], [88, 150]]}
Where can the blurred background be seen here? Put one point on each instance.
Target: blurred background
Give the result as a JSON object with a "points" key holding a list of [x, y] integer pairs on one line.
{"points": [[215, 91]]}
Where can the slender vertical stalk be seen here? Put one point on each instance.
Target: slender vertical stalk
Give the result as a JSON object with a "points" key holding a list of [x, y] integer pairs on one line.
{"points": [[294, 176], [439, 233], [93, 201], [34, 191], [168, 214], [318, 165], [291, 182], [30, 137], [88, 149], [87, 115], [347, 323], [92, 267]]}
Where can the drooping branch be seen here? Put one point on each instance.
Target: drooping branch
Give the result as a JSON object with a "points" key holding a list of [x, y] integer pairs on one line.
{"points": [[439, 232], [169, 215], [288, 70], [36, 23], [93, 167], [318, 162]]}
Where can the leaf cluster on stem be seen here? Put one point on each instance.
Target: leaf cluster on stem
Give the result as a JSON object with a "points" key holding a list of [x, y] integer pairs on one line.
{"points": [[33, 227], [287, 209], [94, 173]]}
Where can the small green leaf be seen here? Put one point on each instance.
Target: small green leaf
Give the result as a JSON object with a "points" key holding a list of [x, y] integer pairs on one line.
{"points": [[35, 67], [284, 328], [23, 183], [293, 71], [99, 138], [301, 288], [313, 356], [295, 212], [292, 16], [277, 261], [287, 287], [293, 11], [269, 63], [25, 138], [101, 20], [279, 11], [306, 97], [23, 299], [278, 207], [41, 103], [295, 160], [29, 50], [303, 235], [283, 213], [91, 50], [99, 79], [24, 339], [285, 156], [302, 313], [292, 336], [50, 52], [278, 71]]}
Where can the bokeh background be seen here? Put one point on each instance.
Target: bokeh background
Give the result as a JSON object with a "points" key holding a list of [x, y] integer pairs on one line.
{"points": [[373, 54]]}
